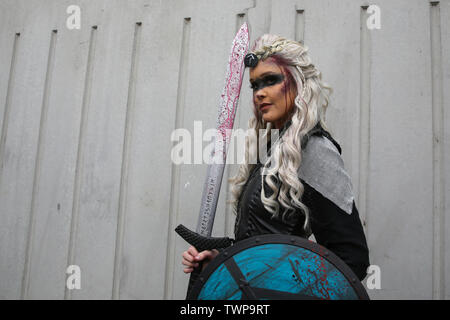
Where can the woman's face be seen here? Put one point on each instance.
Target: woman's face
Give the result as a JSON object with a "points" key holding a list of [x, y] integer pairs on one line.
{"points": [[273, 97]]}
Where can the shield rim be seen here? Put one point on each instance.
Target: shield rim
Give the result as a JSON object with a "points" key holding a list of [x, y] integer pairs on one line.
{"points": [[259, 240]]}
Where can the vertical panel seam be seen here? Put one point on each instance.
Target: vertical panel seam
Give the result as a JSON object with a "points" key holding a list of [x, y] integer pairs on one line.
{"points": [[80, 153], [6, 111], [175, 179], [299, 25], [438, 161], [125, 162], [365, 116]]}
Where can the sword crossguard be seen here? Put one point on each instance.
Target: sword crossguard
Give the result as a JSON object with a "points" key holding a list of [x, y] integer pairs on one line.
{"points": [[202, 243]]}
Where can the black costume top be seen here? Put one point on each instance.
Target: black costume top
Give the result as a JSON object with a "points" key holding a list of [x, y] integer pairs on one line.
{"points": [[337, 230]]}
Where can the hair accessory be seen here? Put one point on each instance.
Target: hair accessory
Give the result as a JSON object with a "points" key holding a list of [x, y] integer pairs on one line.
{"points": [[251, 60]]}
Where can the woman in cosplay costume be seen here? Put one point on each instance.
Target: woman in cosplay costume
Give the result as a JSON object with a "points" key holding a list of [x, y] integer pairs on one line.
{"points": [[301, 188]]}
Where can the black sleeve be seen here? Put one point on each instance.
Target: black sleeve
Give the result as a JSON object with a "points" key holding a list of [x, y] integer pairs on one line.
{"points": [[338, 231]]}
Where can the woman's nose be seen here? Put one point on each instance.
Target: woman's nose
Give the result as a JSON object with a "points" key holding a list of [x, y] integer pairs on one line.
{"points": [[260, 94]]}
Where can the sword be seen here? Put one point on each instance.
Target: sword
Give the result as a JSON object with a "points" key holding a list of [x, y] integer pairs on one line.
{"points": [[201, 239]]}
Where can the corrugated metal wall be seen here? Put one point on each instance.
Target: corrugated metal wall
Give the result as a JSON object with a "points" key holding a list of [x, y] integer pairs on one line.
{"points": [[86, 117]]}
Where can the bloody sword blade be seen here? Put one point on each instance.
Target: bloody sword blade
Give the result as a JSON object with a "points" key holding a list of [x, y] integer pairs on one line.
{"points": [[225, 121]]}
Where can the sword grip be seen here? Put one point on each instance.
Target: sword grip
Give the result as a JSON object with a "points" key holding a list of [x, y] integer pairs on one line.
{"points": [[193, 278]]}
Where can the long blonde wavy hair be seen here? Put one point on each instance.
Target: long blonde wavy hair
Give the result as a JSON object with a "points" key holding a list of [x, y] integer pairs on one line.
{"points": [[281, 168]]}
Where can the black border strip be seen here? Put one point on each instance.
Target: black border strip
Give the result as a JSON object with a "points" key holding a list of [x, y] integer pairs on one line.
{"points": [[240, 279]]}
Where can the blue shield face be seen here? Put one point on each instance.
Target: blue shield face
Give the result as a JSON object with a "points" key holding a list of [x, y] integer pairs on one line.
{"points": [[277, 267]]}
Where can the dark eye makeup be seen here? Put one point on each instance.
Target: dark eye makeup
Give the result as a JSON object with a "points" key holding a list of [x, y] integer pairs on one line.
{"points": [[266, 81]]}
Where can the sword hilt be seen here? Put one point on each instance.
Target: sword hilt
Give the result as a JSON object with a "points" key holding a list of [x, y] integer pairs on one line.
{"points": [[200, 243]]}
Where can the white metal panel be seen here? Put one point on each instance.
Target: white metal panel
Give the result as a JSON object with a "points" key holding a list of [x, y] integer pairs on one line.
{"points": [[148, 188], [20, 148], [400, 200], [53, 204], [96, 196]]}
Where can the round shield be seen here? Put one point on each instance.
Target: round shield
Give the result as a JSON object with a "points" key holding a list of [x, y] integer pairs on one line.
{"points": [[276, 266]]}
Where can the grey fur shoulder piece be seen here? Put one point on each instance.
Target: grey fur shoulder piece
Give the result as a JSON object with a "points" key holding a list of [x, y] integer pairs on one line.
{"points": [[323, 169]]}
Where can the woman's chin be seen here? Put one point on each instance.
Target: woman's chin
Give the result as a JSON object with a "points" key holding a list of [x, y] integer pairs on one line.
{"points": [[267, 117]]}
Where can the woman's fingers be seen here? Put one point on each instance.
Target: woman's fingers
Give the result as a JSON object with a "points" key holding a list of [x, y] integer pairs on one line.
{"points": [[188, 257], [188, 260], [191, 258], [192, 251], [188, 270], [190, 264], [207, 254]]}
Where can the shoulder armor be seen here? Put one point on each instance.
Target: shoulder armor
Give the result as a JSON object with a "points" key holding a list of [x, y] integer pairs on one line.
{"points": [[322, 167]]}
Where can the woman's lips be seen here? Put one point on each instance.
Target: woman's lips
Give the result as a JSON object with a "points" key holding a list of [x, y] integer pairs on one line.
{"points": [[264, 106]]}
